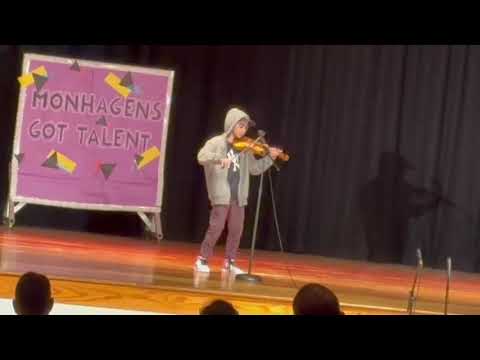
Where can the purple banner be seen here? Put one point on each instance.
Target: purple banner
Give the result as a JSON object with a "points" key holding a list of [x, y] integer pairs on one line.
{"points": [[91, 133]]}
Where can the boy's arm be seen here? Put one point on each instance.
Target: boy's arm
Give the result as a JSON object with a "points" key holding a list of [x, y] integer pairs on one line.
{"points": [[207, 154], [257, 167]]}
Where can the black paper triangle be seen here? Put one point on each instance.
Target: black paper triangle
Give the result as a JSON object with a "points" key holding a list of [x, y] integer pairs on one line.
{"points": [[138, 159], [75, 66], [19, 157], [127, 80]]}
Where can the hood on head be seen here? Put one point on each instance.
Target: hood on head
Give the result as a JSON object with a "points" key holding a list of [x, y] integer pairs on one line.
{"points": [[234, 115]]}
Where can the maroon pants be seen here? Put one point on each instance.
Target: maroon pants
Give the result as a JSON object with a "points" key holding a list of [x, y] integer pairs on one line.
{"points": [[220, 215]]}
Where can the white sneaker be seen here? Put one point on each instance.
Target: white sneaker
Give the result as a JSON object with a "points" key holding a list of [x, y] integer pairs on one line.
{"points": [[201, 265], [229, 265]]}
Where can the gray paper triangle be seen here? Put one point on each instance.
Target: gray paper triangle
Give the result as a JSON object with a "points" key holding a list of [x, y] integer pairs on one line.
{"points": [[137, 90], [39, 81], [107, 170], [51, 162]]}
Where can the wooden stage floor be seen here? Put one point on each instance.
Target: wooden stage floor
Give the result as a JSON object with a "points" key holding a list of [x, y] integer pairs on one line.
{"points": [[137, 274]]}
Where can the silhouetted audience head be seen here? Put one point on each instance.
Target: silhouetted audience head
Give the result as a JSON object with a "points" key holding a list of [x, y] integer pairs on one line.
{"points": [[33, 295], [315, 299], [219, 307]]}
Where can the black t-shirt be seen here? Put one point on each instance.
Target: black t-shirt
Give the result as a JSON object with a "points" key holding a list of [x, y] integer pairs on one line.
{"points": [[233, 172]]}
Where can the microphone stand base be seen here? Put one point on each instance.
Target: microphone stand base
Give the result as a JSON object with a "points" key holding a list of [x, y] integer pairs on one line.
{"points": [[254, 279]]}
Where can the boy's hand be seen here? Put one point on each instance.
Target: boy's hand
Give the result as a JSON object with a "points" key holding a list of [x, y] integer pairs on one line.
{"points": [[225, 163], [274, 152]]}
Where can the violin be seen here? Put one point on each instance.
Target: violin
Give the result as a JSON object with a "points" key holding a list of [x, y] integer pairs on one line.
{"points": [[259, 149]]}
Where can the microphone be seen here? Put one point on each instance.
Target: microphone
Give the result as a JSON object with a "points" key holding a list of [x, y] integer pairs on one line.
{"points": [[261, 133], [449, 275], [261, 136]]}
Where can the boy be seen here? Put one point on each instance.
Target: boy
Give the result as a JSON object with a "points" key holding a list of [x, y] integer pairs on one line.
{"points": [[227, 174]]}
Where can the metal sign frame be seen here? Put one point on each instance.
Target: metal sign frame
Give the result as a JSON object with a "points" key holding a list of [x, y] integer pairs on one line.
{"points": [[149, 215]]}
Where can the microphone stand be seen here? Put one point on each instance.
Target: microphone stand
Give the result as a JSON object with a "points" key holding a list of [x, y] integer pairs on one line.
{"points": [[412, 297], [449, 274], [249, 276]]}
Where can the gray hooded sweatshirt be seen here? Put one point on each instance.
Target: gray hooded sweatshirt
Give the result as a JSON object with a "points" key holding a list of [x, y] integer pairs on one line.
{"points": [[216, 178]]}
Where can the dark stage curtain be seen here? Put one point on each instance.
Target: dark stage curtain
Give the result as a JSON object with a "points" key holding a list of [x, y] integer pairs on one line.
{"points": [[376, 134]]}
